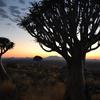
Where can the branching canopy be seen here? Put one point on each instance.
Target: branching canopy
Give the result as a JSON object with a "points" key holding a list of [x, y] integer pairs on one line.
{"points": [[65, 26], [5, 45]]}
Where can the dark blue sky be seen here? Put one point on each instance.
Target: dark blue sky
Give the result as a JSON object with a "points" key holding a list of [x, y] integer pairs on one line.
{"points": [[11, 9]]}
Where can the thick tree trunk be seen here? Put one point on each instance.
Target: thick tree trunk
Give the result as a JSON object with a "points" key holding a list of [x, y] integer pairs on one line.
{"points": [[3, 73], [76, 83]]}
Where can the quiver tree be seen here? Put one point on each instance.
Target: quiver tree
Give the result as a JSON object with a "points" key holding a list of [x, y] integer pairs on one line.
{"points": [[5, 45], [69, 27]]}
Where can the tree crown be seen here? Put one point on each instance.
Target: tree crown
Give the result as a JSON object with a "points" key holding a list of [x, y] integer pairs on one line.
{"points": [[5, 45], [65, 26]]}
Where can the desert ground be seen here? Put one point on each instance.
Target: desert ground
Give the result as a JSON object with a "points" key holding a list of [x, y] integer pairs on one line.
{"points": [[44, 80]]}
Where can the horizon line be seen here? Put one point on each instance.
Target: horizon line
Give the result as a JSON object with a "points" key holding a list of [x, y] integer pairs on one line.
{"points": [[44, 57]]}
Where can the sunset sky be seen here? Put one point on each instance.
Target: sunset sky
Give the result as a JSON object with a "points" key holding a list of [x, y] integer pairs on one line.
{"points": [[25, 45]]}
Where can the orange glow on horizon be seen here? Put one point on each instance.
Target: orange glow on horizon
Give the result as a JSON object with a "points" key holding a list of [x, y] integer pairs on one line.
{"points": [[22, 50], [93, 56], [28, 53], [23, 54]]}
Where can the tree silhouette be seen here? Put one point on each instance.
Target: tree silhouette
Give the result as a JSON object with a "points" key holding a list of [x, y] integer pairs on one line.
{"points": [[5, 45], [37, 58], [71, 28]]}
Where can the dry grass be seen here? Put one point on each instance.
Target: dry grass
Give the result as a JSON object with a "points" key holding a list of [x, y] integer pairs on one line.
{"points": [[96, 97], [50, 92], [31, 87], [7, 87], [55, 92]]}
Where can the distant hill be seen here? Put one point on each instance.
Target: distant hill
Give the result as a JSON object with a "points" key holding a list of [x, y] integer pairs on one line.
{"points": [[54, 58]]}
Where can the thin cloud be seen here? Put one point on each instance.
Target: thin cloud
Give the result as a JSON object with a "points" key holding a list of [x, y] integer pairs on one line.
{"points": [[22, 1], [9, 24], [2, 3], [3, 13], [14, 10], [12, 20], [11, 11], [13, 7], [23, 9], [4, 16]]}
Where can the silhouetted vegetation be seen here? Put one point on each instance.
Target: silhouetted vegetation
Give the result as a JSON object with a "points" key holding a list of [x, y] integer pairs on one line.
{"points": [[5, 45], [44, 81], [71, 28], [37, 58]]}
